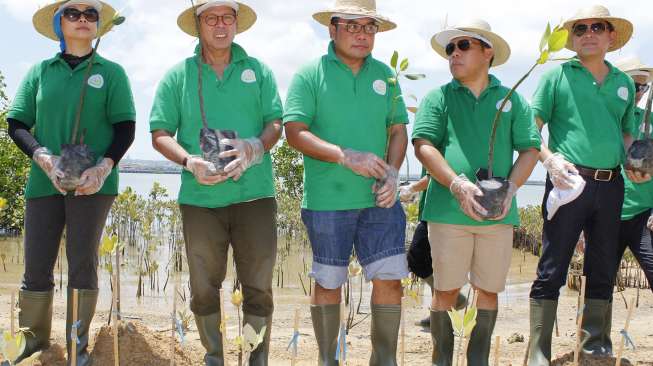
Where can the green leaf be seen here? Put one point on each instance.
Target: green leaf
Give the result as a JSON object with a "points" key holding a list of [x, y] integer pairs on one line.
{"points": [[394, 60], [470, 315], [544, 57], [404, 64], [456, 320], [118, 20], [415, 76], [469, 327], [558, 40], [545, 37], [392, 81]]}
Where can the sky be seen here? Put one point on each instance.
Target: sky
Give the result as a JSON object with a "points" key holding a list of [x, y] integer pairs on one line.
{"points": [[285, 37]]}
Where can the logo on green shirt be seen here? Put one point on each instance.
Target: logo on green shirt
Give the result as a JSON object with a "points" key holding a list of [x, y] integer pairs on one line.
{"points": [[380, 87], [96, 81], [248, 76]]}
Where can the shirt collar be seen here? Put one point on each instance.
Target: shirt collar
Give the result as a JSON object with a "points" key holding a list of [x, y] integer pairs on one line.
{"points": [[493, 83], [237, 52], [575, 62], [57, 58]]}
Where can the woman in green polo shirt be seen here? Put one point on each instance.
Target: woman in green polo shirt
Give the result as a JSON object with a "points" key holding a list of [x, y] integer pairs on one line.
{"points": [[40, 121]]}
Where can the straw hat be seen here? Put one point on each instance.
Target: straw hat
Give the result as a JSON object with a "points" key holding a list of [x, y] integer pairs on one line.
{"points": [[364, 8], [622, 27], [246, 16], [43, 17], [632, 65], [475, 28]]}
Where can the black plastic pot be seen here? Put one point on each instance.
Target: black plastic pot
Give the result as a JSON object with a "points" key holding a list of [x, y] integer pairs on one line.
{"points": [[640, 156], [495, 190], [74, 160], [211, 146]]}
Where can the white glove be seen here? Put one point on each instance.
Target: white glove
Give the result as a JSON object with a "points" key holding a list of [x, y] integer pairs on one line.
{"points": [[465, 192], [507, 203], [247, 152], [649, 223], [386, 194], [408, 193], [48, 162], [93, 178], [203, 171], [560, 171], [363, 163]]}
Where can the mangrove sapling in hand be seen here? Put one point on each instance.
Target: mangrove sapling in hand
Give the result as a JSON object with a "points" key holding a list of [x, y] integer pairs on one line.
{"points": [[640, 153]]}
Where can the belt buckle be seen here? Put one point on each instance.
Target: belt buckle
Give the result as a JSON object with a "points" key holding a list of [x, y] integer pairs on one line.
{"points": [[598, 172]]}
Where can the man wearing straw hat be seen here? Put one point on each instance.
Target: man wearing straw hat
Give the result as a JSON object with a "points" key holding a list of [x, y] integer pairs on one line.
{"points": [[348, 119], [452, 137], [237, 207], [588, 105]]}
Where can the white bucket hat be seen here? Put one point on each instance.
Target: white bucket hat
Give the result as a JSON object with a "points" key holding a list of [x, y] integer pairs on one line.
{"points": [[474, 28], [352, 9], [623, 27], [634, 67], [186, 20], [43, 17]]}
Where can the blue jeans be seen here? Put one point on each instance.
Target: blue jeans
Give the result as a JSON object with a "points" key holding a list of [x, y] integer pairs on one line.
{"points": [[376, 234]]}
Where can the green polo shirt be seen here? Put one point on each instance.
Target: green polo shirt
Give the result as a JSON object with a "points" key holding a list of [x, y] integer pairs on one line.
{"points": [[245, 100], [459, 125], [351, 111], [637, 197], [586, 120], [47, 101]]}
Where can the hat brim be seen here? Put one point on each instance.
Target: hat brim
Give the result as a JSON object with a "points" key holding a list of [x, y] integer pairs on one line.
{"points": [[43, 18], [646, 69], [246, 19], [623, 28], [324, 18], [499, 45]]}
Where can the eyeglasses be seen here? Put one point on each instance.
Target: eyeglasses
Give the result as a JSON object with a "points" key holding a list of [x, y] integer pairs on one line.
{"points": [[641, 88], [73, 15], [371, 28], [212, 20], [463, 45], [597, 28]]}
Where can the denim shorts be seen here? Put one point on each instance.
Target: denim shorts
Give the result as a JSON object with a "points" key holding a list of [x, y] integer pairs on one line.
{"points": [[377, 234]]}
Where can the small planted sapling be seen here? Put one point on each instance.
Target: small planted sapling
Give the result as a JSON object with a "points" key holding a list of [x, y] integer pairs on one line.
{"points": [[640, 153], [496, 189], [76, 157]]}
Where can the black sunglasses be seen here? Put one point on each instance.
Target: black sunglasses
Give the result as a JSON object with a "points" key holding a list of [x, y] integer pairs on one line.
{"points": [[73, 15], [463, 45], [641, 88], [597, 28]]}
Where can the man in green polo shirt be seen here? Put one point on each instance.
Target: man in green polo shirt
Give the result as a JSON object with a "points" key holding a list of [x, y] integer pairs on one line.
{"points": [[588, 105], [237, 206], [348, 120], [451, 138]]}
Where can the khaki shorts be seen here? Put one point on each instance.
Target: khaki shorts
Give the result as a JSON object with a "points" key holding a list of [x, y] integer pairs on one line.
{"points": [[480, 253]]}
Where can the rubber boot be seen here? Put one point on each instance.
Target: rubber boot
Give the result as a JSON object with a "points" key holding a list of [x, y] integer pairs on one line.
{"points": [[326, 324], [385, 332], [607, 329], [208, 327], [87, 299], [594, 323], [259, 357], [480, 341], [542, 319], [461, 303], [35, 315], [442, 335]]}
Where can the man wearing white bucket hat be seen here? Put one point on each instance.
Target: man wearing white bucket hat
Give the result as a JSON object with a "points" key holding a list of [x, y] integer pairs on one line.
{"points": [[588, 105], [348, 120], [231, 205], [451, 139]]}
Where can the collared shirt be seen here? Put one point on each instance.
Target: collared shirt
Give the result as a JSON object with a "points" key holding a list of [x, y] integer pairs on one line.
{"points": [[586, 120], [638, 197], [47, 101], [245, 100], [351, 111], [459, 125]]}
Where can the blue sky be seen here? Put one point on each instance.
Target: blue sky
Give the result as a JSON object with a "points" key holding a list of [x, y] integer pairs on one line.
{"points": [[285, 36]]}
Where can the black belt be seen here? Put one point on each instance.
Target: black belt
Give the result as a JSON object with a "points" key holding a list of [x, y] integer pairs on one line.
{"points": [[601, 175]]}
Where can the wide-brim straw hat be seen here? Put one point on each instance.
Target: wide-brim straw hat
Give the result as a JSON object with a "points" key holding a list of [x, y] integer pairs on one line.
{"points": [[246, 16], [623, 27], [43, 18], [363, 8], [631, 65], [472, 28]]}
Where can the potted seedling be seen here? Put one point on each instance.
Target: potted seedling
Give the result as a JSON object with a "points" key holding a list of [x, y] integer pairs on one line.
{"points": [[640, 153], [76, 156], [495, 189]]}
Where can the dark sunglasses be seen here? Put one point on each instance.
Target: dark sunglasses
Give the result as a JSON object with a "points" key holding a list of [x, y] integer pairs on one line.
{"points": [[73, 15], [463, 45], [596, 28], [641, 88]]}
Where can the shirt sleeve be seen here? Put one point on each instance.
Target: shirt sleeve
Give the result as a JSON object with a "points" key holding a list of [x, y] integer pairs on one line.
{"points": [[23, 107], [525, 134], [270, 100], [544, 97], [629, 123], [301, 100], [431, 119], [120, 101], [166, 109]]}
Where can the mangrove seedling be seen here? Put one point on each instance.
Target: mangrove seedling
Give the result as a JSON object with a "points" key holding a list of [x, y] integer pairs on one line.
{"points": [[640, 153], [495, 189], [462, 326]]}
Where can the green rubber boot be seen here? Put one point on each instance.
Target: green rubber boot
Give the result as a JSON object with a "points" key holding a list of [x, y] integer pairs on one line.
{"points": [[480, 341], [87, 299], [595, 320], [208, 327], [35, 315], [385, 332], [542, 319], [326, 324], [260, 355], [442, 335]]}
